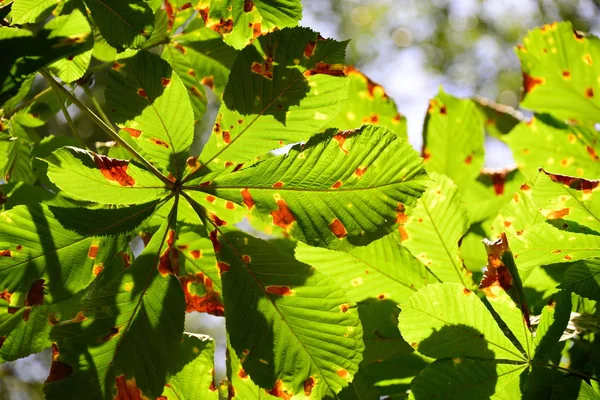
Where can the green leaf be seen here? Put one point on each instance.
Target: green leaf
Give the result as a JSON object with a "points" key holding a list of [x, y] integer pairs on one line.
{"points": [[241, 21], [193, 374], [583, 278], [282, 314], [85, 175], [25, 53], [453, 138], [123, 24], [335, 191], [587, 392], [464, 379], [560, 70], [277, 94], [368, 103], [31, 11], [553, 322], [571, 199], [434, 228], [150, 105], [500, 119], [130, 331], [73, 67], [381, 270], [241, 386], [554, 146], [447, 320]]}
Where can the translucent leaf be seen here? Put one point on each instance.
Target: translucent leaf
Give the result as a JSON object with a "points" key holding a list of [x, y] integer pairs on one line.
{"points": [[150, 105], [381, 270], [465, 379], [568, 198], [282, 89], [560, 70], [449, 321], [135, 323], [73, 67], [193, 375], [553, 322], [282, 314], [587, 392], [241, 21], [241, 386], [123, 24], [335, 191], [434, 228], [453, 138], [554, 146], [583, 278], [89, 176], [24, 53], [368, 103], [31, 11]]}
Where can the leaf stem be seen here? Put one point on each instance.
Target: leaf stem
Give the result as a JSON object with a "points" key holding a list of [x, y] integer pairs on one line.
{"points": [[567, 370], [109, 130], [64, 110], [96, 105], [28, 102]]}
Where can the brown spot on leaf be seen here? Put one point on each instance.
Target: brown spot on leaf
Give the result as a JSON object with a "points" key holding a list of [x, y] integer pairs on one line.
{"points": [[165, 264], [507, 224], [338, 229], [279, 290], [342, 373], [278, 391], [585, 185], [283, 216], [97, 269], [223, 267], [337, 185], [208, 302], [587, 58], [264, 68], [469, 159], [248, 5], [466, 291], [360, 171], [223, 26], [498, 180], [310, 48], [344, 308], [93, 251], [196, 254], [196, 92], [142, 93], [5, 295], [5, 253], [35, 295], [133, 132], [208, 81], [559, 213], [579, 36], [113, 169], [443, 110], [127, 389], [211, 199], [568, 257], [226, 137], [592, 152], [165, 82], [278, 184], [228, 164], [566, 74], [126, 259], [215, 241], [247, 259], [589, 93], [247, 198], [530, 82], [114, 331], [216, 220], [327, 69], [59, 371], [309, 384], [496, 272], [160, 142], [230, 205], [341, 139], [242, 374]]}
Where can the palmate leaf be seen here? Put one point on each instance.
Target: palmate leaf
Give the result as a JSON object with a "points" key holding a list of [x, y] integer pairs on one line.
{"points": [[555, 146], [107, 180], [62, 36], [453, 138], [434, 228], [241, 21], [31, 11], [381, 270], [475, 358], [150, 105], [294, 329], [583, 278], [193, 375], [335, 191], [123, 24], [135, 322], [560, 72], [368, 103], [554, 320], [241, 386], [282, 89]]}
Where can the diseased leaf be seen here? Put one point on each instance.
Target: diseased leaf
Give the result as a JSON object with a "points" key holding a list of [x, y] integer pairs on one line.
{"points": [[241, 386], [31, 11], [368, 103], [335, 191], [241, 21], [381, 270], [453, 138], [282, 314], [149, 103], [559, 72], [123, 24], [583, 278], [554, 146], [282, 89], [143, 301], [434, 228]]}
